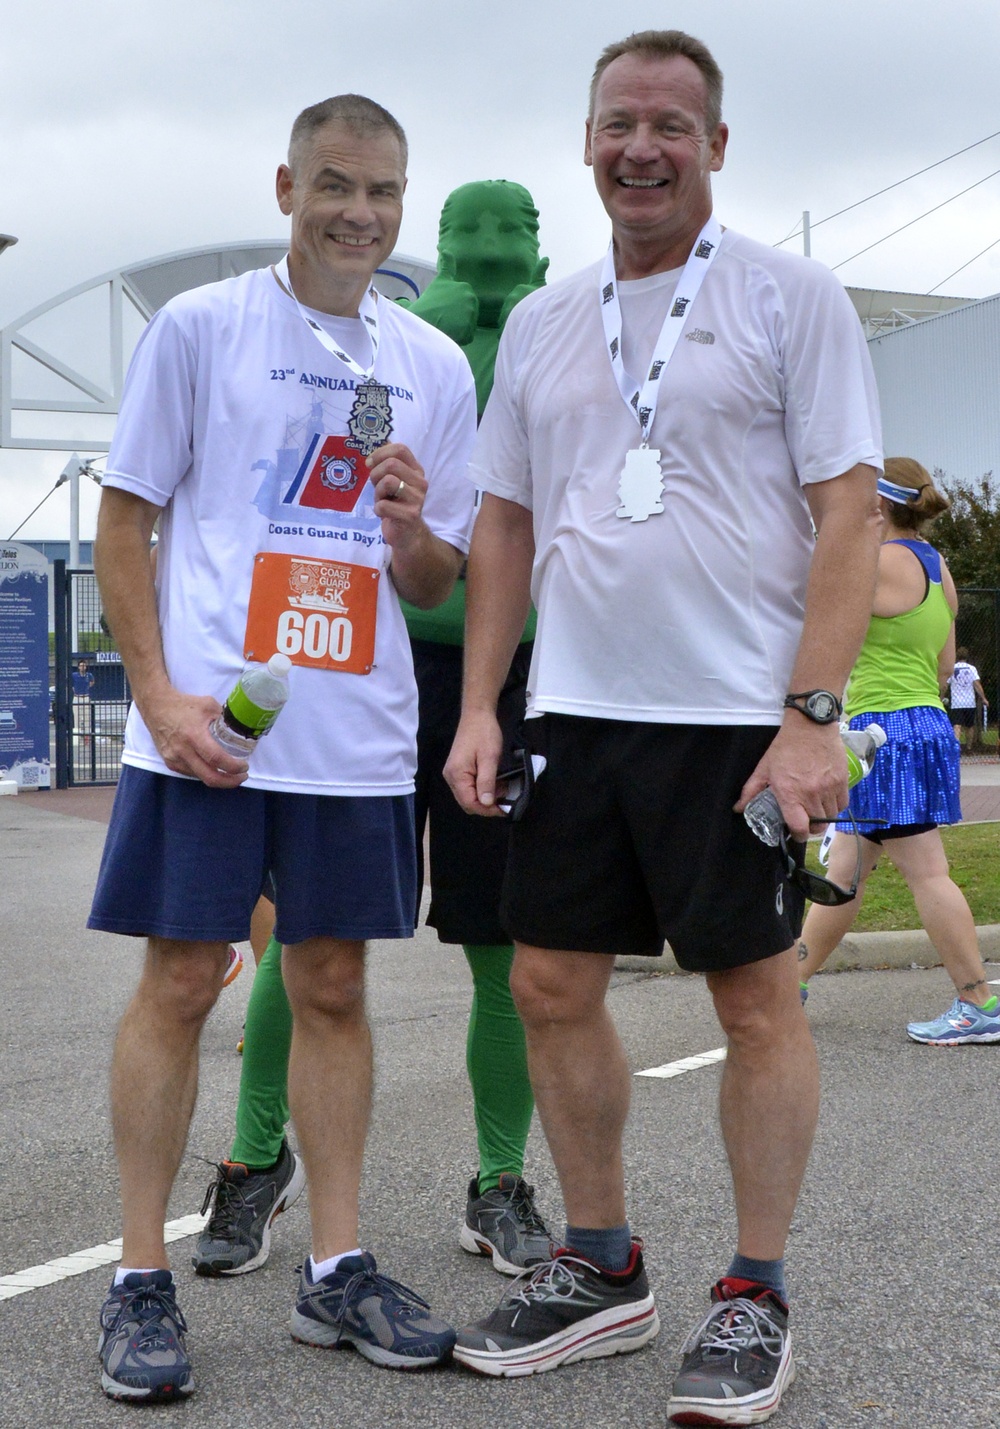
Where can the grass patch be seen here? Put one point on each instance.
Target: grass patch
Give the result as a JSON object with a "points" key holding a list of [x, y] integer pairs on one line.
{"points": [[972, 851]]}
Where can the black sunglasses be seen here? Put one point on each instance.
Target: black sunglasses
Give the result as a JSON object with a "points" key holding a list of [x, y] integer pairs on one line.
{"points": [[518, 781], [815, 887]]}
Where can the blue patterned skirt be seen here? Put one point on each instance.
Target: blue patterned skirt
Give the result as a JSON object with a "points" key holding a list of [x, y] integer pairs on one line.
{"points": [[916, 776]]}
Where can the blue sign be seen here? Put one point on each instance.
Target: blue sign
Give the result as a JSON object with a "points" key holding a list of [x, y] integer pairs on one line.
{"points": [[24, 666]]}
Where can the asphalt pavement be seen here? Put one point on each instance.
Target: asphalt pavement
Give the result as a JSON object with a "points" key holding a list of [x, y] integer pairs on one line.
{"points": [[892, 1269]]}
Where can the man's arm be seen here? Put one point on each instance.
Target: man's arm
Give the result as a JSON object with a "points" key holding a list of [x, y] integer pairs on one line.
{"points": [[497, 601], [806, 765], [178, 723], [424, 567]]}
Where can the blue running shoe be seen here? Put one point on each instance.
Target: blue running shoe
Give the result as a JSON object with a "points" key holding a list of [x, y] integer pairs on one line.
{"points": [[963, 1022], [143, 1358], [384, 1321]]}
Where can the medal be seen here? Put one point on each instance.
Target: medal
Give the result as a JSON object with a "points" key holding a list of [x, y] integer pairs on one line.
{"points": [[370, 422], [641, 485], [641, 482]]}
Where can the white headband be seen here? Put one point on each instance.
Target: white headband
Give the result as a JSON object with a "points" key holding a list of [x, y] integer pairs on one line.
{"points": [[904, 495]]}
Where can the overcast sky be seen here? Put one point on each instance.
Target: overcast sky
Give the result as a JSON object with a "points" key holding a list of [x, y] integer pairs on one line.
{"points": [[131, 130]]}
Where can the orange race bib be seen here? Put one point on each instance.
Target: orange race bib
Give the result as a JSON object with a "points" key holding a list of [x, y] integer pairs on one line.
{"points": [[320, 613]]}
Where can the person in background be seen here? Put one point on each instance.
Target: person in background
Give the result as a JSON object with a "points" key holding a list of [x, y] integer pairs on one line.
{"points": [[966, 697], [913, 788]]}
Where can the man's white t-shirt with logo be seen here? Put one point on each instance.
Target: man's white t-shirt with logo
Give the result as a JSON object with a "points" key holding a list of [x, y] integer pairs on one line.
{"points": [[235, 420], [693, 615], [963, 686]]}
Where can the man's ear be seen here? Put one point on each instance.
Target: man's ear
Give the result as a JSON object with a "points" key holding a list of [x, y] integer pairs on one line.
{"points": [[587, 156], [283, 185]]}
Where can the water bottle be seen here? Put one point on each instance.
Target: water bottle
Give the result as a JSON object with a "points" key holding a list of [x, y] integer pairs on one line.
{"points": [[763, 813], [255, 703]]}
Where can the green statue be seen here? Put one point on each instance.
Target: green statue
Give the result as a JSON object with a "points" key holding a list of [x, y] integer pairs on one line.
{"points": [[487, 261]]}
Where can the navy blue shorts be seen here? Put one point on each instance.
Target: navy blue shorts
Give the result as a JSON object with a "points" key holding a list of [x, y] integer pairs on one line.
{"points": [[187, 862]]}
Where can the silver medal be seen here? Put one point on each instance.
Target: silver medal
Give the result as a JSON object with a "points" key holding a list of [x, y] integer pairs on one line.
{"points": [[640, 485]]}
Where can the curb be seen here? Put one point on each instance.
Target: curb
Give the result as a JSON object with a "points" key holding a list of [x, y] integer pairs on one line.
{"points": [[907, 949]]}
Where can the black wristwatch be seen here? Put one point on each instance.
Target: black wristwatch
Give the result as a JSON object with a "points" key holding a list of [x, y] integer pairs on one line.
{"points": [[820, 706]]}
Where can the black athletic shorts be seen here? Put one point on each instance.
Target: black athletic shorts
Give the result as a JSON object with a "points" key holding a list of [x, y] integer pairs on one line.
{"points": [[468, 855], [964, 717], [897, 831], [630, 838]]}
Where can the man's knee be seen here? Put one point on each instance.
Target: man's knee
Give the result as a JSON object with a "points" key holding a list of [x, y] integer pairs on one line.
{"points": [[557, 987], [183, 980], [755, 1003], [325, 978]]}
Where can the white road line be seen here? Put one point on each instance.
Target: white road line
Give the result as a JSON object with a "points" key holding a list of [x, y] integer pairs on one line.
{"points": [[82, 1260], [686, 1064]]}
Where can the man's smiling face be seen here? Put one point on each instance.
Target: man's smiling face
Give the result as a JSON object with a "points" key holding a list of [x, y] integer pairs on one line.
{"points": [[651, 153], [344, 193]]}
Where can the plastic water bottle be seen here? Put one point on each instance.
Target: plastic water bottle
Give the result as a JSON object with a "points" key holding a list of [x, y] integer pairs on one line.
{"points": [[257, 699], [763, 813]]}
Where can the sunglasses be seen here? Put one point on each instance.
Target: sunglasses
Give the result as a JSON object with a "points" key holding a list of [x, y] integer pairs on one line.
{"points": [[815, 887]]}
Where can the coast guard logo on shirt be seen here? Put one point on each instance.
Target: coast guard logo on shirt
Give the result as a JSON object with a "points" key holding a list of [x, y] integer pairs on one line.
{"points": [[328, 478], [704, 249], [679, 308]]}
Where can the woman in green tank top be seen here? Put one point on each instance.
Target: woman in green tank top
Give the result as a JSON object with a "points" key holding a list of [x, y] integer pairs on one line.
{"points": [[898, 681]]}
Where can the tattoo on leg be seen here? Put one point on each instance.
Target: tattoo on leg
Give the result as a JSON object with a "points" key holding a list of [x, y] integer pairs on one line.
{"points": [[803, 951], [971, 986]]}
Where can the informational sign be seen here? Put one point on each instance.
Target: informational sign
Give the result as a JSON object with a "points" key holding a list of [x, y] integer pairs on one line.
{"points": [[24, 666]]}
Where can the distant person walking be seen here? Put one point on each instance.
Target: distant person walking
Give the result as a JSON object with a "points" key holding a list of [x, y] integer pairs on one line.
{"points": [[904, 665], [966, 697]]}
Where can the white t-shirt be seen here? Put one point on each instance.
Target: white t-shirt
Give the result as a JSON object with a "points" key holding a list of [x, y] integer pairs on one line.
{"points": [[963, 685], [226, 421], [692, 616]]}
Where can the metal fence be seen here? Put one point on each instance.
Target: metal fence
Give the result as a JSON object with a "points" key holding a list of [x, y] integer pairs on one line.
{"points": [[90, 691]]}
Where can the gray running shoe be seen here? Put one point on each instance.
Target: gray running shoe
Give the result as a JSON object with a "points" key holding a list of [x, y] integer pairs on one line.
{"points": [[562, 1311], [237, 1238], [384, 1321], [737, 1362], [143, 1356], [505, 1224]]}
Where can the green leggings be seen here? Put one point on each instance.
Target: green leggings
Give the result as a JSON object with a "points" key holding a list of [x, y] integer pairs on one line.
{"points": [[495, 1057]]}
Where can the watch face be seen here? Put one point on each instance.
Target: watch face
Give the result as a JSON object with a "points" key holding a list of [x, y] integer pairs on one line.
{"points": [[823, 707]]}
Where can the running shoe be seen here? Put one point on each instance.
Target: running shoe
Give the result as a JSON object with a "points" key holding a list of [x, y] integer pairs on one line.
{"points": [[237, 1238], [384, 1321], [143, 1357], [234, 965], [963, 1022], [737, 1362], [564, 1310], [505, 1224]]}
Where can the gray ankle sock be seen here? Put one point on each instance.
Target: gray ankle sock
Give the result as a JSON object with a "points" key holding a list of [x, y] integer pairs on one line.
{"points": [[765, 1272], [610, 1248]]}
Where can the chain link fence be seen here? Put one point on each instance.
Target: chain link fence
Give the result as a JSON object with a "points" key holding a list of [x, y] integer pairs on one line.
{"points": [[90, 693]]}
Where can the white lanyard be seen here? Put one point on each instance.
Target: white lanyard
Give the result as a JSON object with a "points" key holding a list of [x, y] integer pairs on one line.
{"points": [[642, 402], [367, 311]]}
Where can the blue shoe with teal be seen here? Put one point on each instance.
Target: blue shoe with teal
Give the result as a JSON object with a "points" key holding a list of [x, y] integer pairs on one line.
{"points": [[963, 1022]]}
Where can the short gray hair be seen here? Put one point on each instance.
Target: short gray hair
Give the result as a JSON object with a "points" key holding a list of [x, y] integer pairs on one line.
{"points": [[361, 115], [664, 45]]}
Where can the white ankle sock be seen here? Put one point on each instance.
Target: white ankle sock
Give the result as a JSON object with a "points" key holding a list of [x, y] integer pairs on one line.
{"points": [[319, 1269], [124, 1270]]}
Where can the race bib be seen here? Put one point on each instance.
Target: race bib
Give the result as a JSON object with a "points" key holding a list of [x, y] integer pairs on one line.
{"points": [[320, 613]]}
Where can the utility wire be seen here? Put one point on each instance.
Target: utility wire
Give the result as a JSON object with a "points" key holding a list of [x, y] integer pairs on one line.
{"points": [[937, 163], [31, 513], [962, 269], [914, 220]]}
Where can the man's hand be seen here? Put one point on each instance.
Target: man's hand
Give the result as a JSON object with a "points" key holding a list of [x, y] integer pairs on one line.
{"points": [[400, 490], [806, 768], [471, 769], [449, 304], [522, 290], [179, 725]]}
